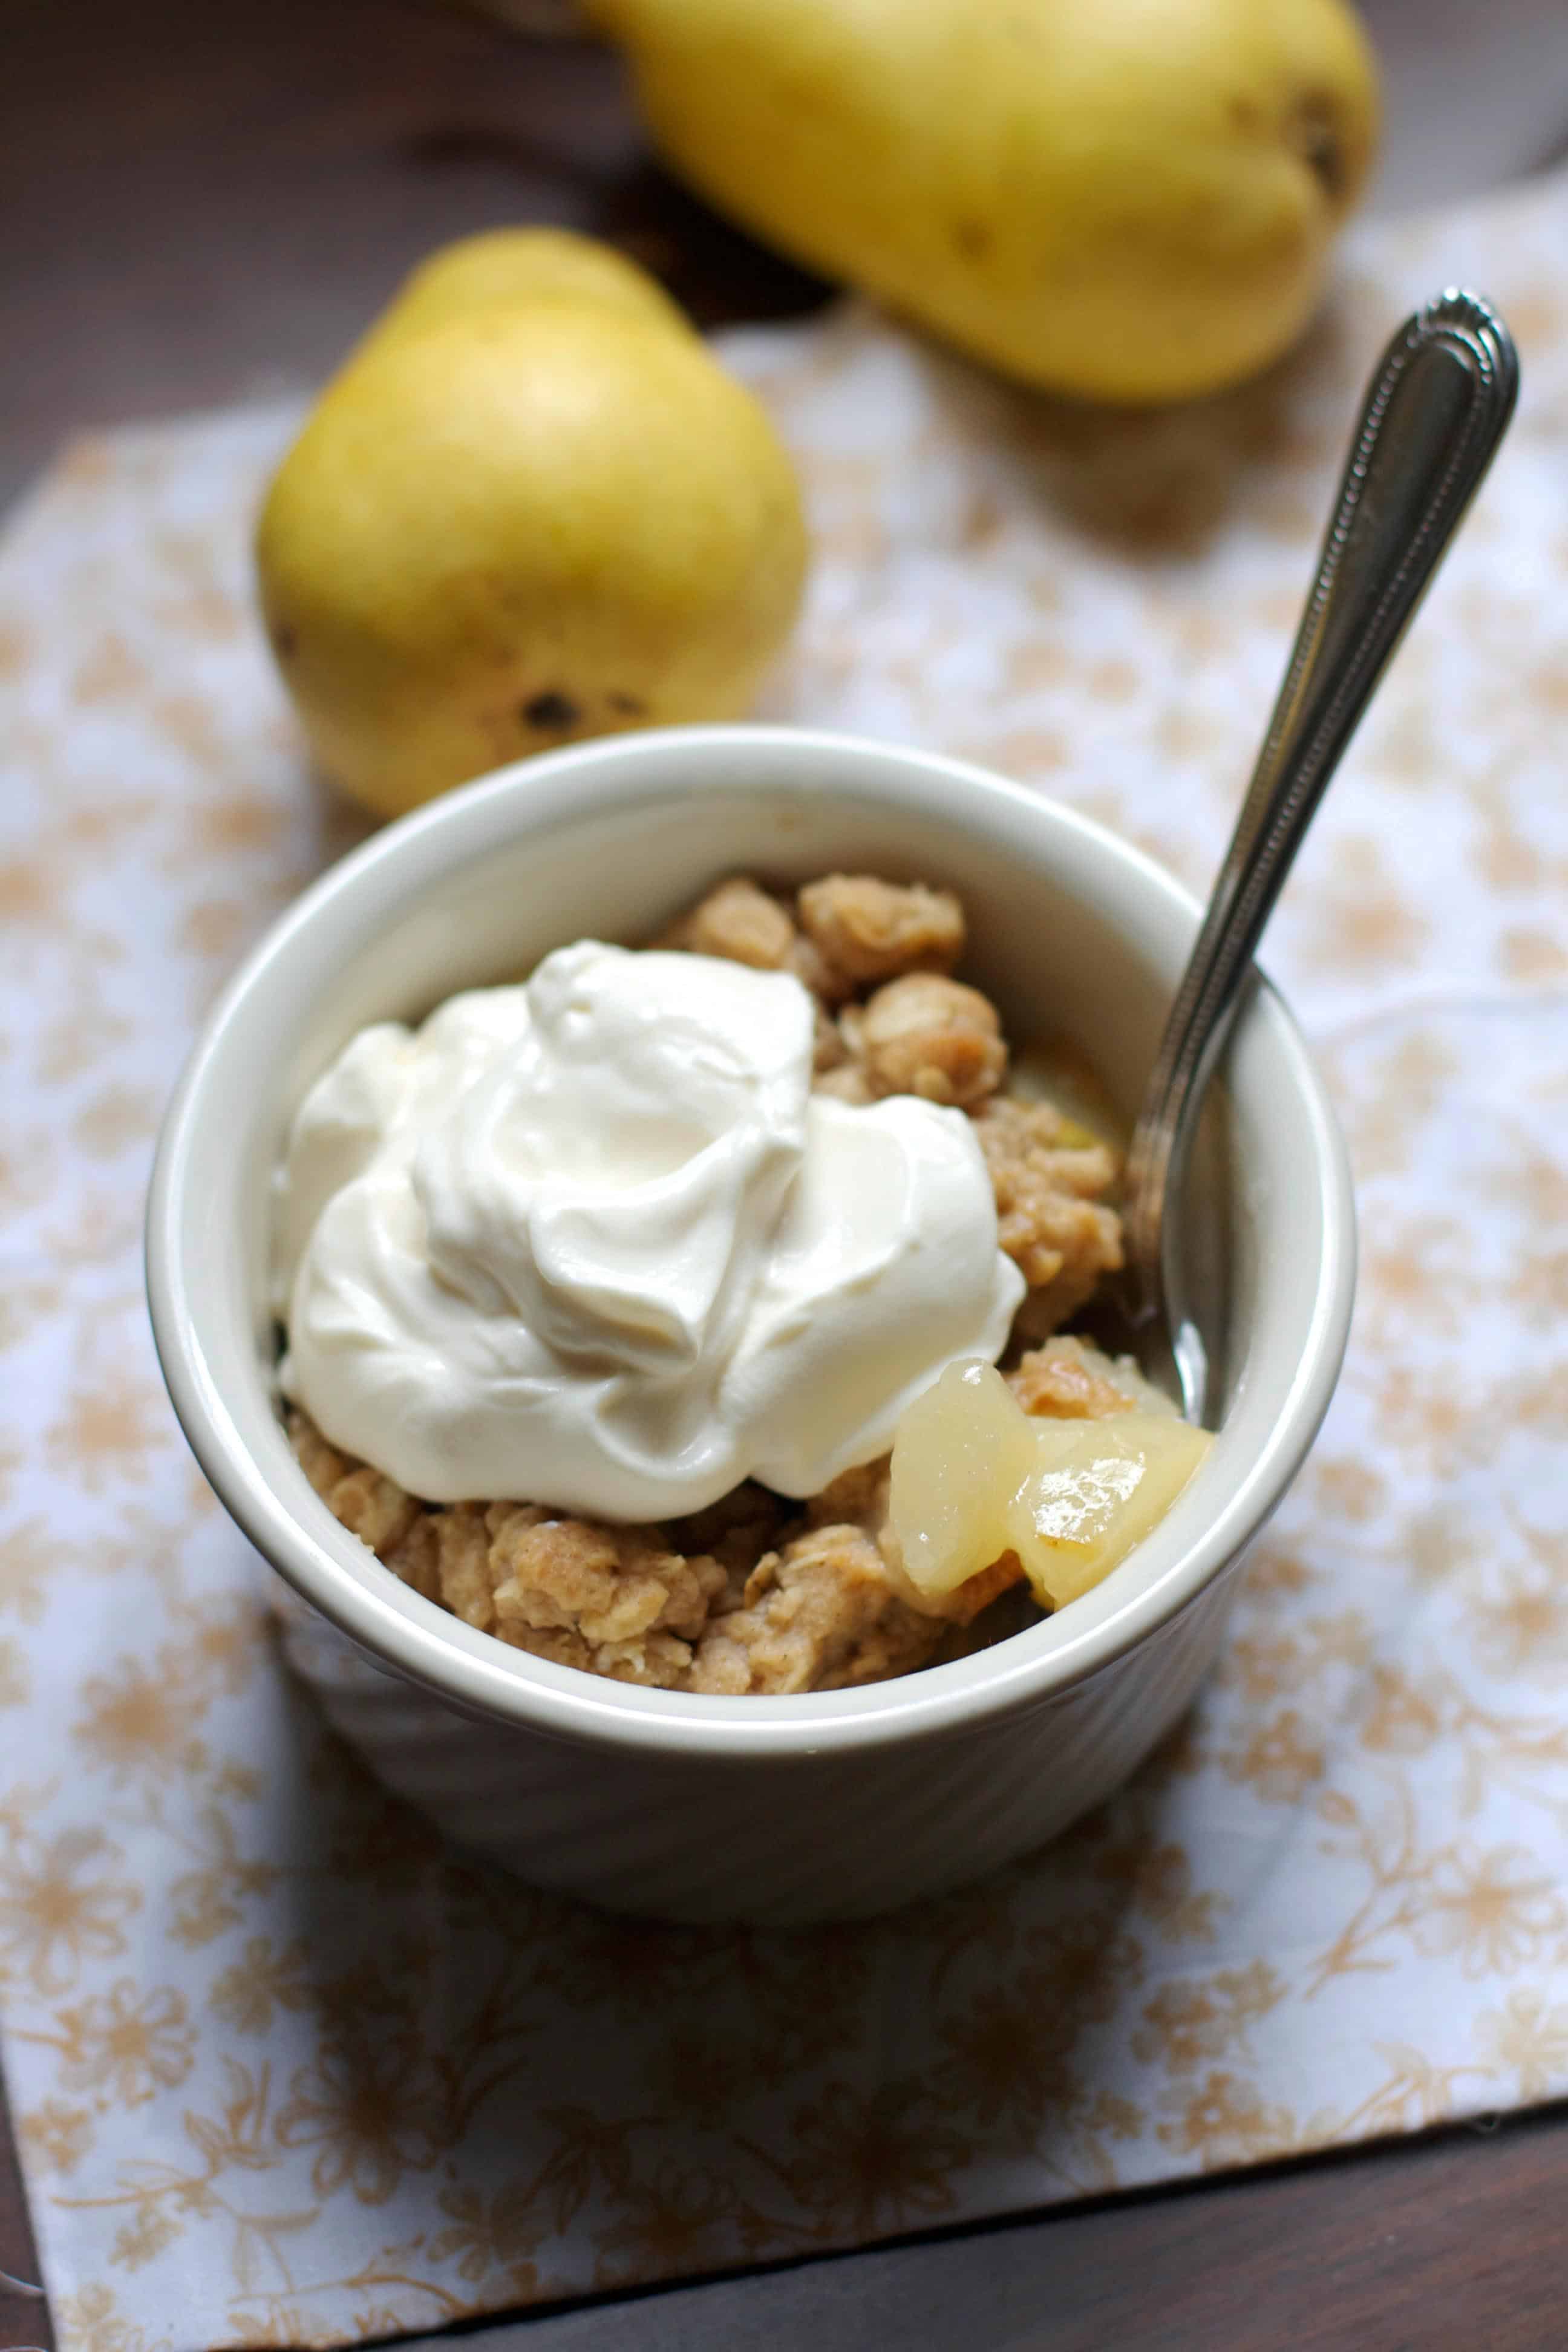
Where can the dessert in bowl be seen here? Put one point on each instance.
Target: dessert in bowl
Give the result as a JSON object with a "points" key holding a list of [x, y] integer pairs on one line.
{"points": [[709, 1788], [624, 1307]]}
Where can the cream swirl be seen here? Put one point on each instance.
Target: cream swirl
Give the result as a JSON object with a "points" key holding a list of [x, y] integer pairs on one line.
{"points": [[594, 1242]]}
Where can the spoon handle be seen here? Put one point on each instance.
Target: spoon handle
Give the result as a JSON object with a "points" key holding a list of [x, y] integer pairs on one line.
{"points": [[1433, 413]]}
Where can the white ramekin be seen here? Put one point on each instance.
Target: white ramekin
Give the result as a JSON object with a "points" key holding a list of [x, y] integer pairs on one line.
{"points": [[785, 1808]]}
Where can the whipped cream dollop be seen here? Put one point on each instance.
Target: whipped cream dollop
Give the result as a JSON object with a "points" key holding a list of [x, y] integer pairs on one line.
{"points": [[593, 1242]]}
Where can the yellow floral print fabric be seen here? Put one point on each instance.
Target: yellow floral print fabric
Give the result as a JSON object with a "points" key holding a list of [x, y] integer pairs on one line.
{"points": [[285, 2072]]}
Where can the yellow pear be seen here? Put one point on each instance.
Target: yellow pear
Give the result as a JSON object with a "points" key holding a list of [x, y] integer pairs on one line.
{"points": [[531, 519], [502, 265], [1128, 200]]}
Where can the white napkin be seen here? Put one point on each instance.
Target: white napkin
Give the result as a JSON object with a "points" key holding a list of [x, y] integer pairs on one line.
{"points": [[285, 2074]]}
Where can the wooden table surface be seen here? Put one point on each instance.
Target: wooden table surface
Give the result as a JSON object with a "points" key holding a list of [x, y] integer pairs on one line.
{"points": [[205, 200]]}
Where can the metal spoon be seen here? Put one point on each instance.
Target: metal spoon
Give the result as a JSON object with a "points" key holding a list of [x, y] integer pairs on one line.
{"points": [[1435, 412]]}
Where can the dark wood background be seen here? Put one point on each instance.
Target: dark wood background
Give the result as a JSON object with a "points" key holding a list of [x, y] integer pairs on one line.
{"points": [[205, 200]]}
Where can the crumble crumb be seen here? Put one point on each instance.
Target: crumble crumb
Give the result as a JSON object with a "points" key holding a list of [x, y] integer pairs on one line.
{"points": [[1051, 1218], [923, 1034], [1066, 1380], [868, 930], [608, 1584], [740, 922], [821, 1614]]}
